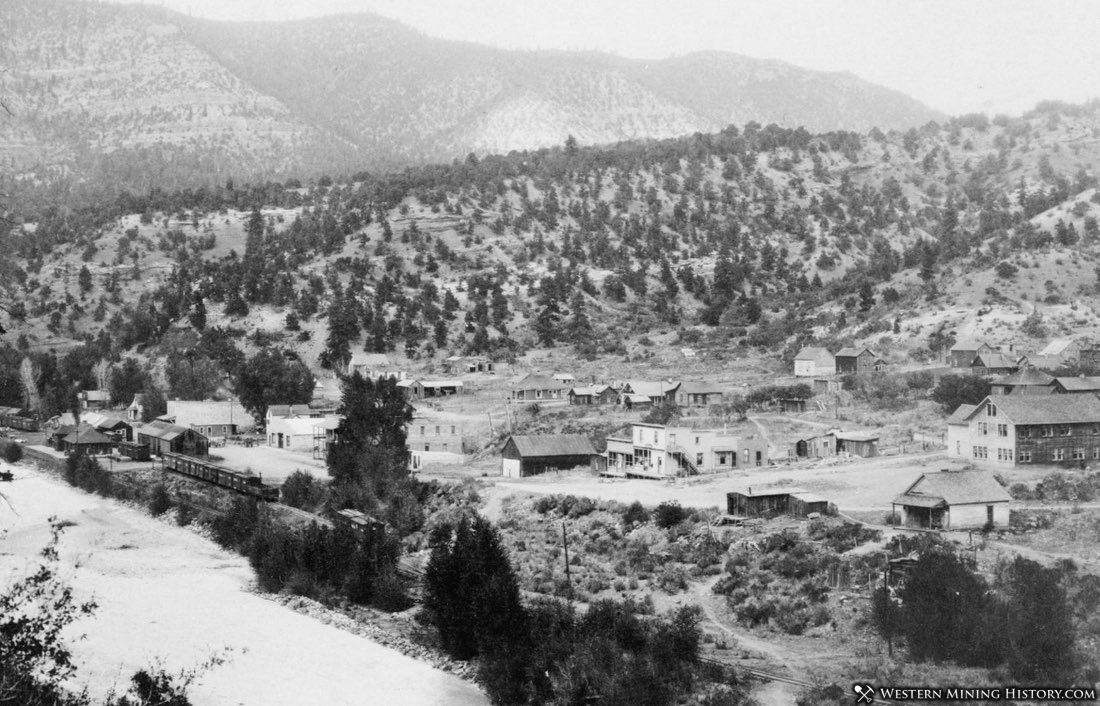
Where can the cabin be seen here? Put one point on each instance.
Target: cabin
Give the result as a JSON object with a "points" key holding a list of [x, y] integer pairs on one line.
{"points": [[114, 427], [296, 433], [698, 394], [1064, 350], [857, 443], [820, 446], [162, 437], [372, 366], [996, 364], [211, 417], [858, 361], [564, 378], [92, 400], [87, 441], [782, 500], [593, 395], [962, 354], [439, 388], [1026, 381], [954, 500], [528, 455], [1012, 430], [657, 392], [539, 388], [468, 365], [791, 405], [814, 361]]}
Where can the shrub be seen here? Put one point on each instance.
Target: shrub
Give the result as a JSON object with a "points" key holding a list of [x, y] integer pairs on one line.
{"points": [[13, 452], [581, 507], [635, 514], [300, 490], [669, 514], [672, 580], [159, 500]]}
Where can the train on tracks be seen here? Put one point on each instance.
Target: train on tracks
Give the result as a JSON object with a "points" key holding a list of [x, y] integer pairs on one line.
{"points": [[244, 482]]}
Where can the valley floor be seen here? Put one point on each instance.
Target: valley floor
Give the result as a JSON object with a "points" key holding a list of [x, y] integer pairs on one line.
{"points": [[167, 594]]}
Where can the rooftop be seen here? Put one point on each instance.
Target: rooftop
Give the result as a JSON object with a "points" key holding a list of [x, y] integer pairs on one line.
{"points": [[1046, 409], [953, 488], [554, 445]]}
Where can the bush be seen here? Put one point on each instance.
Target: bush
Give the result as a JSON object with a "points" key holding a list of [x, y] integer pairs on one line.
{"points": [[669, 514], [300, 490], [635, 514], [13, 452], [159, 500]]}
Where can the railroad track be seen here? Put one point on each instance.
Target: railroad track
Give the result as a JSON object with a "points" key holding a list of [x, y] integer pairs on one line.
{"points": [[769, 676]]}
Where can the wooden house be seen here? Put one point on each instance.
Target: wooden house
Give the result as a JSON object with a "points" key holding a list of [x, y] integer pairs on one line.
{"points": [[163, 437], [958, 431], [996, 364], [86, 440], [1075, 386], [698, 394], [857, 443], [92, 400], [457, 364], [527, 455], [593, 395], [858, 361], [1026, 381], [820, 446], [813, 361], [1010, 430], [774, 501], [962, 354], [660, 451], [211, 417], [539, 388], [954, 500], [1064, 350], [657, 392]]}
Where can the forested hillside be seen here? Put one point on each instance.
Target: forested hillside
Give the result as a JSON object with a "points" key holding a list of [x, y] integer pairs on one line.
{"points": [[107, 97], [753, 238]]}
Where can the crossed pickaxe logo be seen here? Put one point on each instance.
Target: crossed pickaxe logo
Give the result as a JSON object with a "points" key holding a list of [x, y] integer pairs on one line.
{"points": [[865, 693]]}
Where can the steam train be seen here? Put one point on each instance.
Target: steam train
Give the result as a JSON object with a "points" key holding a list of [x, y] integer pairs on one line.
{"points": [[244, 482]]}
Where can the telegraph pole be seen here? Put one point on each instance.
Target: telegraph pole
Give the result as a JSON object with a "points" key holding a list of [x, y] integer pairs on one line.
{"points": [[568, 576]]}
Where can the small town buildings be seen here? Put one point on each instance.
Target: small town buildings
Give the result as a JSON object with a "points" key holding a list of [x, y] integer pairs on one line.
{"points": [[791, 405], [813, 361], [774, 501], [424, 389], [958, 431], [593, 395], [211, 418], [857, 443], [527, 455], [539, 388], [659, 451], [457, 364], [1089, 356], [372, 366], [698, 394], [996, 363], [296, 433], [954, 500], [18, 418], [1075, 386], [820, 446], [317, 409], [135, 413], [1064, 350], [86, 440], [858, 361], [113, 426], [564, 378], [657, 392], [92, 400], [1026, 381], [432, 440], [1008, 430], [163, 437], [962, 354]]}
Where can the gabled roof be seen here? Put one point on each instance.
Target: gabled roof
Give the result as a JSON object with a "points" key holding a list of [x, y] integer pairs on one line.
{"points": [[96, 395], [967, 345], [699, 388], [853, 352], [652, 389], [1045, 409], [1057, 347], [1079, 384], [535, 381], [590, 390], [189, 413], [441, 383], [995, 360], [87, 435], [768, 491], [856, 435], [814, 353], [1025, 376], [288, 410], [139, 400], [370, 360], [954, 488], [554, 445], [962, 414], [163, 430]]}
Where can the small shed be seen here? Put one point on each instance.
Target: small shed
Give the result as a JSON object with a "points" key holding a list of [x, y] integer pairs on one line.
{"points": [[134, 451], [592, 395], [792, 405], [528, 455], [762, 501], [803, 504], [820, 446], [857, 443]]}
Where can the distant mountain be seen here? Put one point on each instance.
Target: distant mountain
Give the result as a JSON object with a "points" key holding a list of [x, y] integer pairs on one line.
{"points": [[137, 96]]}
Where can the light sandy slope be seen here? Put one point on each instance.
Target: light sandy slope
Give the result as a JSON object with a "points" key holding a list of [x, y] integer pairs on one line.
{"points": [[166, 593]]}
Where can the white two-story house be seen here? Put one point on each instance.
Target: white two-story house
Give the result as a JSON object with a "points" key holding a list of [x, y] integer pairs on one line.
{"points": [[658, 451]]}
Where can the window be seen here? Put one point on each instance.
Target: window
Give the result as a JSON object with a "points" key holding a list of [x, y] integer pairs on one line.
{"points": [[991, 409], [1023, 432], [722, 458], [1002, 430], [1096, 453], [437, 430], [421, 431], [698, 459], [1059, 455], [1025, 457], [452, 428], [981, 452], [1004, 454], [1078, 454], [696, 441], [427, 447], [983, 428], [444, 447], [1048, 431], [1065, 430]]}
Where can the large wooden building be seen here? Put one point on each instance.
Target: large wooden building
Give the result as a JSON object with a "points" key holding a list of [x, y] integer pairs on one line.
{"points": [[162, 437], [1009, 430], [962, 354], [813, 361], [858, 361], [528, 455]]}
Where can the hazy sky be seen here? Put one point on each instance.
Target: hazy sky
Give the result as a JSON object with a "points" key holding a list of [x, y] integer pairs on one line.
{"points": [[955, 55]]}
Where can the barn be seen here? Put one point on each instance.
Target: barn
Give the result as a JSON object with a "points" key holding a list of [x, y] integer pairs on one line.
{"points": [[528, 455], [163, 437]]}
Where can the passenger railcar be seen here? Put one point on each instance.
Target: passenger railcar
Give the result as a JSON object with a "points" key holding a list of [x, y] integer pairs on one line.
{"points": [[244, 482]]}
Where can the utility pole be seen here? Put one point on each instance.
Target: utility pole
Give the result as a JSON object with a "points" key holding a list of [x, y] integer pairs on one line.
{"points": [[568, 576]]}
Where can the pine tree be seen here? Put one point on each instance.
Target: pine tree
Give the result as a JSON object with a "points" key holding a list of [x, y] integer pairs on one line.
{"points": [[197, 317], [370, 440]]}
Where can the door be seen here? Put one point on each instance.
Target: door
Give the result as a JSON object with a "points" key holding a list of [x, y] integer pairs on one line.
{"points": [[989, 514]]}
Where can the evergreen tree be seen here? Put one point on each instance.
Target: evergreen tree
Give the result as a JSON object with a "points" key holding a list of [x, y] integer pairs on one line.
{"points": [[197, 317], [370, 440]]}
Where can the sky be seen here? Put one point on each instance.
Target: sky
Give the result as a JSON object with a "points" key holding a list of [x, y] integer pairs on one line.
{"points": [[959, 56]]}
